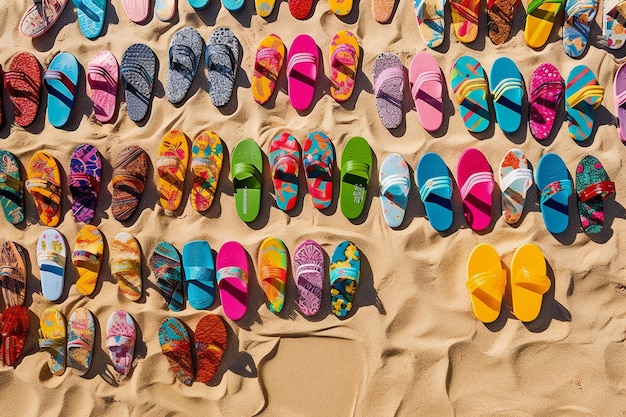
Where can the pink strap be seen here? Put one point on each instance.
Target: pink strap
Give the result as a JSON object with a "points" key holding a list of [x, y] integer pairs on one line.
{"points": [[621, 98], [424, 77], [300, 58], [289, 162], [475, 179], [388, 74], [60, 76], [265, 53], [344, 48]]}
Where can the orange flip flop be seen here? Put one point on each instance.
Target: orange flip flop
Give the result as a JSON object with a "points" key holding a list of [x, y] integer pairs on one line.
{"points": [[44, 184], [172, 166], [269, 59], [528, 282], [485, 281]]}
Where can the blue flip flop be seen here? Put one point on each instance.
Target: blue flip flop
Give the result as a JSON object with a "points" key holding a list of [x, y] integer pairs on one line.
{"points": [[61, 79], [91, 16], [395, 185], [435, 186], [233, 5], [198, 4], [582, 96], [137, 73], [199, 274], [555, 187], [507, 89], [344, 270]]}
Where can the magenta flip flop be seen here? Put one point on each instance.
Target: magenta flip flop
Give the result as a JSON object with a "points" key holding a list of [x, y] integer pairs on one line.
{"points": [[546, 91], [426, 89], [475, 179], [302, 64], [232, 279]]}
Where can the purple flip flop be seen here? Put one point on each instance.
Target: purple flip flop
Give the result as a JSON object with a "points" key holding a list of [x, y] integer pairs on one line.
{"points": [[308, 261], [84, 182]]}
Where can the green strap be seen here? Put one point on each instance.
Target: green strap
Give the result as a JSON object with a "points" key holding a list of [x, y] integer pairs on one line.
{"points": [[359, 169], [534, 4], [245, 171]]}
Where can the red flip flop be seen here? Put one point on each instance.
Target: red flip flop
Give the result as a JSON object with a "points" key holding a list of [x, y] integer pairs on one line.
{"points": [[211, 338], [23, 83], [300, 9]]}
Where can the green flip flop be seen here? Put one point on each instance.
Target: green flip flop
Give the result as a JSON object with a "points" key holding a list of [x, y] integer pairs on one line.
{"points": [[247, 172], [356, 168]]}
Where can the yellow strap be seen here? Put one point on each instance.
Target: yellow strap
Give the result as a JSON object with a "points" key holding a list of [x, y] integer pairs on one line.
{"points": [[533, 281], [593, 92], [467, 86]]}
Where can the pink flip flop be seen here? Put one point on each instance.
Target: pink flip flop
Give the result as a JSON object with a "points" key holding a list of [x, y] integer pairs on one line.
{"points": [[136, 10], [475, 180], [545, 93], [619, 91], [302, 63], [426, 89], [232, 279], [102, 77]]}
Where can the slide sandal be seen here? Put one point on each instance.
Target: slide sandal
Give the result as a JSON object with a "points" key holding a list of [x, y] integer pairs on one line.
{"points": [[284, 159], [515, 180], [166, 265], [87, 258], [593, 187], [125, 265], [11, 188], [23, 83], [344, 63], [40, 17], [264, 7], [247, 172], [382, 10], [121, 336], [356, 168], [528, 282], [165, 10], [500, 15], [51, 255], [184, 56], [12, 274], [613, 21], [91, 14], [388, 75], [81, 334], [435, 187], [340, 7], [430, 20], [273, 272], [232, 279], [318, 161], [395, 184], [344, 270], [545, 94], [199, 274], [302, 65], [136, 10], [468, 82], [102, 79], [476, 184], [486, 281], [222, 61], [176, 347], [44, 184], [465, 19], [426, 90], [171, 166], [138, 72], [555, 187], [582, 96], [211, 338], [619, 94], [84, 182], [300, 9], [308, 261], [540, 17], [53, 338], [268, 61], [129, 180], [207, 155], [61, 79], [14, 325], [507, 91], [578, 17]]}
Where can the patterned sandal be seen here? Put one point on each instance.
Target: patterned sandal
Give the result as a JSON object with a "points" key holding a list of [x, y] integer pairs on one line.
{"points": [[165, 263], [273, 272], [614, 23], [12, 274], [81, 331], [465, 19], [52, 338], [467, 79], [207, 155], [318, 160], [14, 325], [121, 336], [593, 187], [500, 15], [545, 93], [269, 59], [11, 188], [84, 182], [540, 17], [583, 96], [125, 264], [430, 16], [44, 184], [129, 180], [172, 166], [308, 261], [345, 269], [87, 258], [211, 338], [176, 347], [515, 180], [578, 17], [284, 159]]}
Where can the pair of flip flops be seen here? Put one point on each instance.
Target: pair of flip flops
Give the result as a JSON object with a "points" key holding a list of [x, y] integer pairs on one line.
{"points": [[130, 173], [471, 93], [395, 184], [40, 16], [486, 282], [87, 258], [137, 73], [222, 60], [184, 56], [389, 79], [61, 81], [11, 188], [430, 16], [136, 10], [44, 184], [500, 14], [91, 14], [356, 168], [125, 265], [121, 336], [427, 90], [23, 84], [540, 18], [578, 17], [613, 21], [102, 80], [84, 181]]}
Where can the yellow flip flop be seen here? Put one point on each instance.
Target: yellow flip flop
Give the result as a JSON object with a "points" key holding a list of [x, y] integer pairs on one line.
{"points": [[540, 17], [270, 55], [53, 339], [87, 258], [125, 264], [485, 281], [344, 61], [44, 184], [465, 19], [528, 282], [206, 164], [340, 7], [172, 165]]}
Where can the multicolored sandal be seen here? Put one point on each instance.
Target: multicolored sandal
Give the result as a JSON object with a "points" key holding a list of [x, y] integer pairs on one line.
{"points": [[583, 95], [344, 63], [465, 19], [515, 180], [273, 272], [81, 331], [545, 94], [345, 269], [51, 255], [84, 182], [318, 161], [44, 184], [87, 258], [12, 274], [125, 264], [284, 159], [395, 184], [207, 155], [11, 188], [540, 17], [593, 187], [430, 16], [166, 265], [469, 84], [500, 15], [176, 347], [172, 166], [53, 338], [14, 325], [308, 261], [129, 180], [211, 338], [269, 59], [121, 336], [578, 17], [614, 23]]}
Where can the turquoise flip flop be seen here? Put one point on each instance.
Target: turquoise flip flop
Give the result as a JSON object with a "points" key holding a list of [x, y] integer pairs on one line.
{"points": [[555, 187], [199, 274], [507, 90], [345, 270], [91, 16], [61, 79], [582, 96], [435, 186], [395, 184]]}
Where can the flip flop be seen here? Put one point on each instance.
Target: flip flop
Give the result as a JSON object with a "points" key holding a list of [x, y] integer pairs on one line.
{"points": [[308, 261], [344, 270], [613, 21], [102, 79], [247, 172], [121, 336], [284, 159], [14, 325], [430, 20], [593, 187], [12, 274], [395, 184], [53, 338], [199, 274], [545, 93], [184, 56], [435, 187], [382, 10], [61, 80], [264, 7], [165, 10], [300, 9], [232, 279], [582, 96], [87, 258], [176, 347], [211, 338], [81, 334], [44, 184], [233, 5], [268, 61], [137, 73], [125, 265], [486, 281], [507, 89], [172, 166], [344, 63], [476, 184], [207, 155], [11, 188], [302, 67], [555, 187], [388, 74], [619, 94], [467, 79], [273, 272], [91, 14], [427, 89], [465, 19], [222, 61], [198, 4], [51, 255], [84, 182], [166, 265], [528, 282], [136, 10], [540, 17], [578, 17], [356, 168], [40, 17], [500, 15], [340, 7], [318, 160], [23, 83], [129, 180], [515, 180]]}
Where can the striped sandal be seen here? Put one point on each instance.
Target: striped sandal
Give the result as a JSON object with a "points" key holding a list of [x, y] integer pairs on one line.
{"points": [[467, 78], [613, 23], [582, 96], [465, 19], [540, 17]]}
